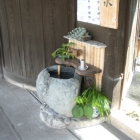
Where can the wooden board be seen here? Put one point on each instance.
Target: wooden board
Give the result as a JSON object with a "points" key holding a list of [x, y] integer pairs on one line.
{"points": [[5, 36], [14, 29], [31, 30], [138, 54], [75, 63], [109, 10]]}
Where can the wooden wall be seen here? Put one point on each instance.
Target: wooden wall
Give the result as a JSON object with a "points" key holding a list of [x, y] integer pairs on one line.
{"points": [[114, 39], [30, 31], [131, 47], [138, 51]]}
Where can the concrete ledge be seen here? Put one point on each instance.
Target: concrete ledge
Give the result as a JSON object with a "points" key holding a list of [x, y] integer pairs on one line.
{"points": [[126, 124], [19, 80], [22, 85], [58, 121]]}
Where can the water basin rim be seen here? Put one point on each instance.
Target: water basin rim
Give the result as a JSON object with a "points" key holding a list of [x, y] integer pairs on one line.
{"points": [[62, 69]]}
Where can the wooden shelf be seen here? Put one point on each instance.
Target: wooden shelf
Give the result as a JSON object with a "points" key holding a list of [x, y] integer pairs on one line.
{"points": [[76, 63], [92, 43], [93, 54]]}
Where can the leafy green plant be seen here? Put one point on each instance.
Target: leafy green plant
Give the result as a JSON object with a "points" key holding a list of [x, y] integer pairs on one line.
{"points": [[82, 108], [90, 98], [63, 51]]}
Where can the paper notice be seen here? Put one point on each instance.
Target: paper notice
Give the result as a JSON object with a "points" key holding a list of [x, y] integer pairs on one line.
{"points": [[88, 11]]}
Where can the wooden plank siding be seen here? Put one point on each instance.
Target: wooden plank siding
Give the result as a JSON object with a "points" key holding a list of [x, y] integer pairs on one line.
{"points": [[93, 55], [5, 36], [14, 27], [48, 31], [31, 30]]}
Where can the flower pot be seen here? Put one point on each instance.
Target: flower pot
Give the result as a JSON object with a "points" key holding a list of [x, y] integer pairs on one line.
{"points": [[65, 57], [95, 112], [86, 38]]}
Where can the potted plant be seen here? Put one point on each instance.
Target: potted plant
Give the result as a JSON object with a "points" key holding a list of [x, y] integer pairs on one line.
{"points": [[79, 33], [91, 98], [63, 52]]}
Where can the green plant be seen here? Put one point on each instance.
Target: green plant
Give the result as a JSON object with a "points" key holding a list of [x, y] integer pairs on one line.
{"points": [[63, 51], [77, 33], [91, 97]]}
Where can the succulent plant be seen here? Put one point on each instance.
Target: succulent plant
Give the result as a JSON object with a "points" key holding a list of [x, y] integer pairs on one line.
{"points": [[77, 33]]}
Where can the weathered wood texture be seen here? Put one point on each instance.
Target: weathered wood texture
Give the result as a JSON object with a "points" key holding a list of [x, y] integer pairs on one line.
{"points": [[109, 11], [75, 63], [114, 53], [131, 42], [31, 30], [138, 28], [138, 52], [1, 58], [92, 55]]}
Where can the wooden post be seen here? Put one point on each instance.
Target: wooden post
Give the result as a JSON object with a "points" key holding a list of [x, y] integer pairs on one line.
{"points": [[139, 47], [58, 71]]}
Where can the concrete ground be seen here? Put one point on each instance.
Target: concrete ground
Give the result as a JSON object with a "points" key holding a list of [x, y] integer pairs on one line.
{"points": [[131, 104], [19, 120]]}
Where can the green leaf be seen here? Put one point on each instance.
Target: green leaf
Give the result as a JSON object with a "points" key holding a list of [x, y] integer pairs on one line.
{"points": [[63, 58], [93, 97], [77, 111], [70, 43], [85, 100], [84, 93], [88, 111], [54, 54]]}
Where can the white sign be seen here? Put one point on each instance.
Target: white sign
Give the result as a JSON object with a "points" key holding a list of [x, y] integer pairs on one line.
{"points": [[88, 11]]}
